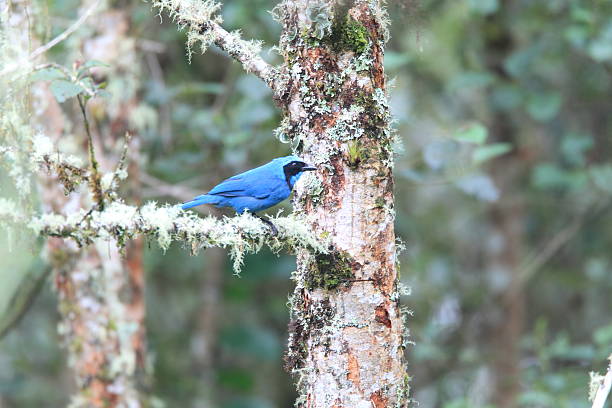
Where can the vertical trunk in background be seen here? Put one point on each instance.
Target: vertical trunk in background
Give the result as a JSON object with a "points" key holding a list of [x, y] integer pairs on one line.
{"points": [[346, 341], [94, 324], [210, 311], [507, 223], [101, 293], [98, 328]]}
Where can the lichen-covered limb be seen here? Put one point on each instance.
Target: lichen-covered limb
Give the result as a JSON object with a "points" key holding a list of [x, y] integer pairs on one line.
{"points": [[121, 222], [203, 27], [246, 53]]}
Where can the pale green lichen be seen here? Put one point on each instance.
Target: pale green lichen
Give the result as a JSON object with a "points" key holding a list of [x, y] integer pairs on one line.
{"points": [[118, 221], [9, 212], [42, 154], [313, 186], [193, 15], [320, 16], [595, 382], [347, 126], [382, 18], [403, 393]]}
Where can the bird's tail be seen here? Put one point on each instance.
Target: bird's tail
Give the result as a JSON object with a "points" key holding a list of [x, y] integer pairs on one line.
{"points": [[199, 200]]}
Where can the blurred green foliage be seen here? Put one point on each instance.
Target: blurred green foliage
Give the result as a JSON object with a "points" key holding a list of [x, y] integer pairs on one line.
{"points": [[462, 69]]}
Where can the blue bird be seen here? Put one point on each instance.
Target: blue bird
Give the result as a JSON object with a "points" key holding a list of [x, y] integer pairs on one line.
{"points": [[256, 189]]}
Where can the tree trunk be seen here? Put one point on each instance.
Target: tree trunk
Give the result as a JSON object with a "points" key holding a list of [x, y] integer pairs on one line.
{"points": [[346, 340], [204, 348], [102, 292], [507, 223]]}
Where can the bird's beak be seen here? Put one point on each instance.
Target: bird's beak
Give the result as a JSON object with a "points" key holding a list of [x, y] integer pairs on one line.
{"points": [[308, 167]]}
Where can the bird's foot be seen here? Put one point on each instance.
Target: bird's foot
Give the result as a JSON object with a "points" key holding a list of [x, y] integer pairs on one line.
{"points": [[273, 230]]}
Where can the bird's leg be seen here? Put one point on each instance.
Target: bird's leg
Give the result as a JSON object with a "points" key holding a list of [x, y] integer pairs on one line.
{"points": [[273, 230]]}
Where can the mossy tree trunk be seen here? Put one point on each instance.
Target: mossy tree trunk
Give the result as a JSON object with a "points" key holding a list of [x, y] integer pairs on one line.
{"points": [[346, 342], [101, 300]]}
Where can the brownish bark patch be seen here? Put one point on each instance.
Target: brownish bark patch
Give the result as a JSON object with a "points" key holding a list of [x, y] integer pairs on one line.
{"points": [[323, 122], [382, 315], [384, 277], [353, 370], [335, 185], [370, 23], [136, 306], [378, 400]]}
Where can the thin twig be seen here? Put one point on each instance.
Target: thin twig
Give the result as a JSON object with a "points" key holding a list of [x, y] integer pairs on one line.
{"points": [[161, 188], [165, 116], [94, 179], [122, 164], [46, 47], [535, 262]]}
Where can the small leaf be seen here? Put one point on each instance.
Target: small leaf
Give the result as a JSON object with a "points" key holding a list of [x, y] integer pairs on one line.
{"points": [[574, 147], [91, 64], [47, 74], [603, 335], [94, 63], [543, 107], [601, 48], [480, 186], [483, 153], [63, 90], [506, 97], [474, 133], [601, 175]]}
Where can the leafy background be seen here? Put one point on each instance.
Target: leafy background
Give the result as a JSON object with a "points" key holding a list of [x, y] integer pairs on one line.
{"points": [[503, 110]]}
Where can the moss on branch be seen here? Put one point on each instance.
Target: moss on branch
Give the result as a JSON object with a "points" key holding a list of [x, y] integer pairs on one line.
{"points": [[349, 34]]}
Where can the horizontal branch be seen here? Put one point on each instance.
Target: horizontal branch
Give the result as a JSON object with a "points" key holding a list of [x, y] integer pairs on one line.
{"points": [[121, 222], [203, 27]]}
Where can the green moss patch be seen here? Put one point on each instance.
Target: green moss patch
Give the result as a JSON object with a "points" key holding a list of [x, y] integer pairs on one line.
{"points": [[349, 34], [328, 271]]}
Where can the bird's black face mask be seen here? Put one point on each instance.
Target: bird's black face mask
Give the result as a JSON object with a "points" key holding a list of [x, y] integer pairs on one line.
{"points": [[293, 169]]}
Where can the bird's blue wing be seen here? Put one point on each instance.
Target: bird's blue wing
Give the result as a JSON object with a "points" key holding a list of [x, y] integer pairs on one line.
{"points": [[255, 190], [256, 183]]}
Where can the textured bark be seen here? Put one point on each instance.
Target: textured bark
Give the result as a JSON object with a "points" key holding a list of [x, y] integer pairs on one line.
{"points": [[346, 337], [98, 329], [101, 293]]}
